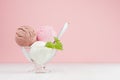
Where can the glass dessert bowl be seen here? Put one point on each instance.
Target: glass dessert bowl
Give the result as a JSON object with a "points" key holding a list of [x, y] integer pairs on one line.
{"points": [[39, 58], [40, 52]]}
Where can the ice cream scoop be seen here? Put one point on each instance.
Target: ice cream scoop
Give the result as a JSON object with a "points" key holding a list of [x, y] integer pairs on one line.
{"points": [[39, 53], [45, 33], [25, 36]]}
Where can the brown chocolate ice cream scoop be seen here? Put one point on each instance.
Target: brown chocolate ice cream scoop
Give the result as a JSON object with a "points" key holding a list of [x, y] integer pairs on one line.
{"points": [[25, 36]]}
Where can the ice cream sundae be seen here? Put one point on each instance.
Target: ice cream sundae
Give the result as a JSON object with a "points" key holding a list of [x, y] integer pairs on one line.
{"points": [[42, 44]]}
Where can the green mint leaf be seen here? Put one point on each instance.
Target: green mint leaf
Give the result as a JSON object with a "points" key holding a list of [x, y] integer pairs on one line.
{"points": [[50, 45], [55, 45], [58, 46]]}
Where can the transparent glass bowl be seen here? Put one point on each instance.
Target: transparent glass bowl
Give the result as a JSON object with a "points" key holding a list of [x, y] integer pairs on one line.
{"points": [[39, 64]]}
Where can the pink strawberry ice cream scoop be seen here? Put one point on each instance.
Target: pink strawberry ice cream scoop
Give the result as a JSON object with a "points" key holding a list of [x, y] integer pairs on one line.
{"points": [[45, 33], [25, 36]]}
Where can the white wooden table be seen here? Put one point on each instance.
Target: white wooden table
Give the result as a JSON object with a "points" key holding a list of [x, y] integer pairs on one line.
{"points": [[66, 71]]}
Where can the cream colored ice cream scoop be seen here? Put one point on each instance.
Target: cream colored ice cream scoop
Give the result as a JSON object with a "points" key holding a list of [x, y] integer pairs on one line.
{"points": [[41, 54]]}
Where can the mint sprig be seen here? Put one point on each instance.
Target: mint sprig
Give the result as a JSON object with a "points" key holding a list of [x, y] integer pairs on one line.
{"points": [[55, 45]]}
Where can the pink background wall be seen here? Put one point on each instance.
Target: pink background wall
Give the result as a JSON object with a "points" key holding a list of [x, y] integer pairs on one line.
{"points": [[93, 34]]}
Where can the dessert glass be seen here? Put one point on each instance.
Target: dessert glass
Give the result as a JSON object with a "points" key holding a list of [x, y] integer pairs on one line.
{"points": [[41, 67]]}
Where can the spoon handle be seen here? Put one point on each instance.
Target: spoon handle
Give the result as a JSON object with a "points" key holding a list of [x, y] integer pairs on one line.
{"points": [[63, 30]]}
